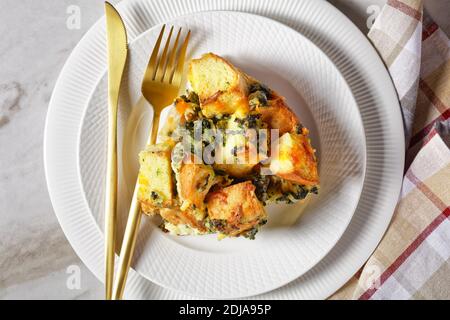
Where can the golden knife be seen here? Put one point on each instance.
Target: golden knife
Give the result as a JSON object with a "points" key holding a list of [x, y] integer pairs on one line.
{"points": [[117, 56]]}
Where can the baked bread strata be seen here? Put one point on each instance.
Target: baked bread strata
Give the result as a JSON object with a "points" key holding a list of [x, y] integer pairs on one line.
{"points": [[200, 181]]}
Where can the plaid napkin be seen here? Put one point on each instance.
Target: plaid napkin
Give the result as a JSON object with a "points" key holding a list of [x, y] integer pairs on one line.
{"points": [[412, 260]]}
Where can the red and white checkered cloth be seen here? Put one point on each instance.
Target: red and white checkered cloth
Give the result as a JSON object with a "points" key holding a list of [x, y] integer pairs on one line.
{"points": [[413, 259]]}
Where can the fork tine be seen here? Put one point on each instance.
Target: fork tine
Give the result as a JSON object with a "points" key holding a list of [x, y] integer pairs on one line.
{"points": [[151, 67], [171, 59], [178, 72], [163, 60]]}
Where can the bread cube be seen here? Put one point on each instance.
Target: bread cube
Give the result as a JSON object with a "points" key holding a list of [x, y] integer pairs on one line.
{"points": [[236, 208], [156, 188], [279, 116], [222, 88], [295, 160], [195, 181]]}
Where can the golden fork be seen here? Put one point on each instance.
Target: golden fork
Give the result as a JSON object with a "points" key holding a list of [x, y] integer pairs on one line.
{"points": [[160, 86]]}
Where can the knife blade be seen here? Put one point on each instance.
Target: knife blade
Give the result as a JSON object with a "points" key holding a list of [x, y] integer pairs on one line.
{"points": [[117, 51]]}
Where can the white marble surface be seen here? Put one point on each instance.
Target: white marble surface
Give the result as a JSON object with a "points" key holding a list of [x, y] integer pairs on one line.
{"points": [[36, 261]]}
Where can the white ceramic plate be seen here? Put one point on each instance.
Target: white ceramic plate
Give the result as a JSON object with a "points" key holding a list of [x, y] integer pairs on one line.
{"points": [[348, 49], [287, 246]]}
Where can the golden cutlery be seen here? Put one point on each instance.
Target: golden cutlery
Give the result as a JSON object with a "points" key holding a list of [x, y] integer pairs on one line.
{"points": [[160, 86], [117, 56]]}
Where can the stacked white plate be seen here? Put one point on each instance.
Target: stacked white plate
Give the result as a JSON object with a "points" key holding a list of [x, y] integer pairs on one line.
{"points": [[333, 79]]}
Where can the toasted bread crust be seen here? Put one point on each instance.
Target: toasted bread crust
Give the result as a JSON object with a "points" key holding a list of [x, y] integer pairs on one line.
{"points": [[279, 116], [296, 160], [238, 206], [221, 87], [195, 182], [177, 216]]}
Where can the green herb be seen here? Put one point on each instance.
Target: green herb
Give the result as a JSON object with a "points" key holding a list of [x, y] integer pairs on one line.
{"points": [[299, 129], [250, 234], [191, 97], [251, 121], [261, 183], [256, 86], [218, 224], [300, 193], [257, 99], [154, 195]]}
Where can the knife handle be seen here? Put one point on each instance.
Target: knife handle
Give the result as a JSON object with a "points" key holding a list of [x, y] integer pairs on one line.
{"points": [[111, 198]]}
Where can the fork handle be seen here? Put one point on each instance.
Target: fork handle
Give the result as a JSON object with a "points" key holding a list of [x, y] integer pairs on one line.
{"points": [[155, 127], [132, 228], [128, 244]]}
